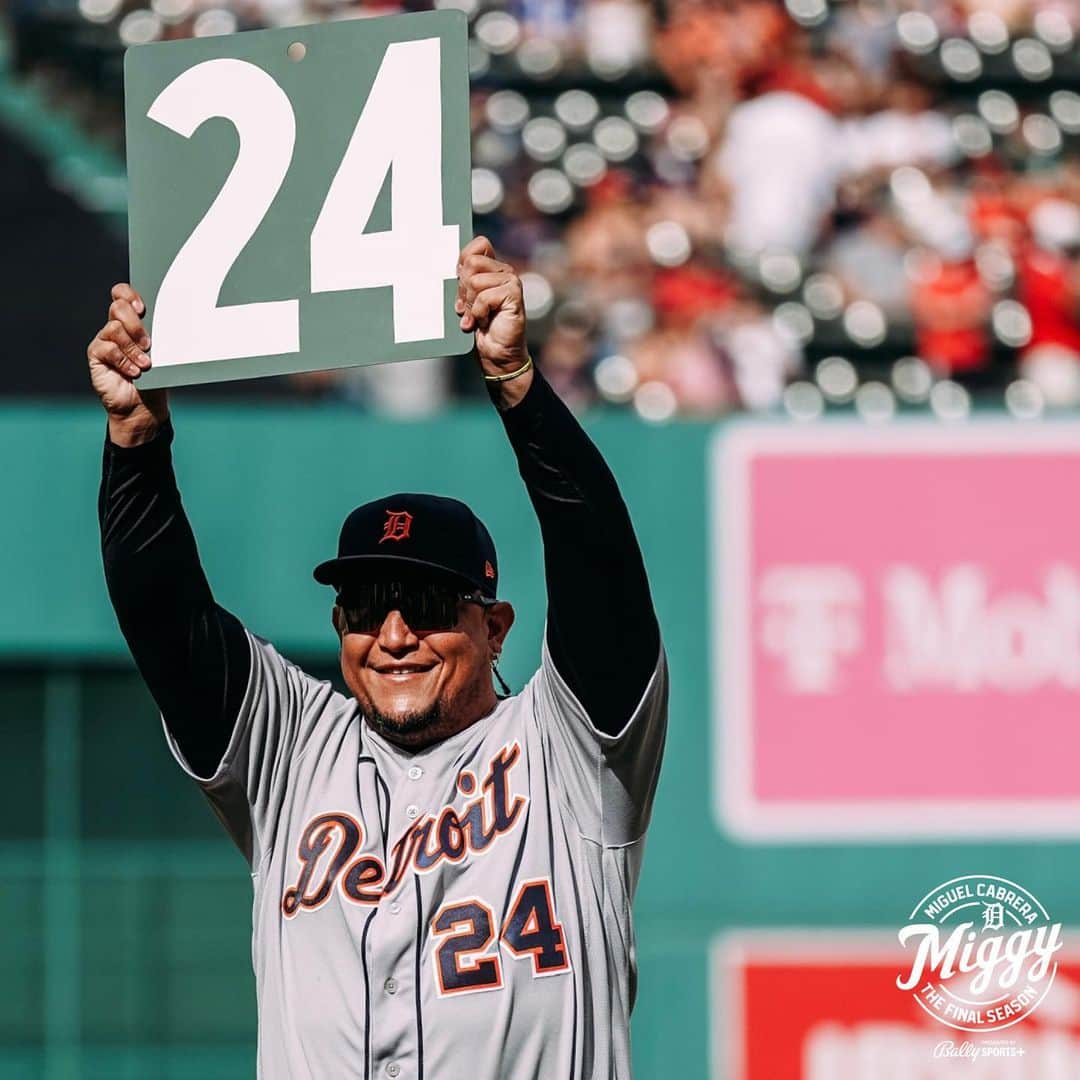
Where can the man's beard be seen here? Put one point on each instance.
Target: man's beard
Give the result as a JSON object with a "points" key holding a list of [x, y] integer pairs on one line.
{"points": [[411, 729]]}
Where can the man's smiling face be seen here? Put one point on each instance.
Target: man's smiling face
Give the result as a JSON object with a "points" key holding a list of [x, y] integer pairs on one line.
{"points": [[416, 687]]}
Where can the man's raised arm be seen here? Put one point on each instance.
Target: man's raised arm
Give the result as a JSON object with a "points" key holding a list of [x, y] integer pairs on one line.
{"points": [[193, 654], [602, 631]]}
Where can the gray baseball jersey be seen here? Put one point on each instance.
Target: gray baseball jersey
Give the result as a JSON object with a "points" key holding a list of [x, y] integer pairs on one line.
{"points": [[463, 911]]}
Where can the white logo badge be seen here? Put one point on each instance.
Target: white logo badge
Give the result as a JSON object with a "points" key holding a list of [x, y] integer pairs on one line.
{"points": [[982, 953]]}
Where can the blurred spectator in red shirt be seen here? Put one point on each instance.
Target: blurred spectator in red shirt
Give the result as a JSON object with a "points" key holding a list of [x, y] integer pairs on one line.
{"points": [[685, 294], [951, 305], [1048, 285]]}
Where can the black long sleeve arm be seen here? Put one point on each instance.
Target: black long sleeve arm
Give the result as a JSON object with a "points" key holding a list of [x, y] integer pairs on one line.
{"points": [[192, 653], [602, 631]]}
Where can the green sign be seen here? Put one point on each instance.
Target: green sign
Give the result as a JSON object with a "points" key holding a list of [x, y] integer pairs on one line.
{"points": [[299, 196]]}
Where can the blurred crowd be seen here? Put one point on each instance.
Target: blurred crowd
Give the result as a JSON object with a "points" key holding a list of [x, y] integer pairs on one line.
{"points": [[743, 204]]}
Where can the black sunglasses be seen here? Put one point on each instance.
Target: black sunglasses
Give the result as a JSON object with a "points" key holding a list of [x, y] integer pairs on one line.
{"points": [[424, 606]]}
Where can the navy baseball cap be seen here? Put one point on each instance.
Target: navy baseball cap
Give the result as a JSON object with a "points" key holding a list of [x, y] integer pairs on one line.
{"points": [[411, 530]]}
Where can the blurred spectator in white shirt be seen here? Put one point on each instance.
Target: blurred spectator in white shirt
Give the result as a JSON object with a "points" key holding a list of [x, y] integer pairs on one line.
{"points": [[781, 159]]}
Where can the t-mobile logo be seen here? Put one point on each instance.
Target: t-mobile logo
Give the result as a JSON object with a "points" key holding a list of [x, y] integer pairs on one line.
{"points": [[811, 617]]}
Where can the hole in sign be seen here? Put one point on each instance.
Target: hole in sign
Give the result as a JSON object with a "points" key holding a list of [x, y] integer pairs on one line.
{"points": [[297, 51]]}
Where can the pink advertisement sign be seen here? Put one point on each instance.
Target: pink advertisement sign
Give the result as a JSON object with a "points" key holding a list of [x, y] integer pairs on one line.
{"points": [[896, 630]]}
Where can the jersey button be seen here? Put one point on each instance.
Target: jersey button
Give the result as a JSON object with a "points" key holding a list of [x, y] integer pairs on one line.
{"points": [[393, 1069], [395, 908], [415, 772], [390, 986], [412, 811]]}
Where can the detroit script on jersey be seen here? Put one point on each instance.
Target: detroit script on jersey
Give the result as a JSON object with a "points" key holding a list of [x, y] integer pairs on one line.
{"points": [[329, 842], [460, 911]]}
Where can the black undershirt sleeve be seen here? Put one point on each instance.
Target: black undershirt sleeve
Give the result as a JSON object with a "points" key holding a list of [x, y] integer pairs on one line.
{"points": [[602, 631], [192, 654]]}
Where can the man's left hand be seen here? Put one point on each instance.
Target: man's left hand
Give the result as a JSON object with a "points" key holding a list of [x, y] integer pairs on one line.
{"points": [[490, 301]]}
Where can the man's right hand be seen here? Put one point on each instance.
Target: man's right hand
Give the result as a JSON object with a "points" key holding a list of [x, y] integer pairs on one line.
{"points": [[118, 356]]}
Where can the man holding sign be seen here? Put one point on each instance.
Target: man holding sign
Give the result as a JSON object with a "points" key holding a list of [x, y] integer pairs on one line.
{"points": [[442, 876]]}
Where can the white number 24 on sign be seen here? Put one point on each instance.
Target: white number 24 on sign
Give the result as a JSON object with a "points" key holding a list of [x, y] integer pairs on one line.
{"points": [[400, 128]]}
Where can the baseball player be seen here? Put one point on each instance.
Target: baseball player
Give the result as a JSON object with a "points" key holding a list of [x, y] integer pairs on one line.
{"points": [[442, 875]]}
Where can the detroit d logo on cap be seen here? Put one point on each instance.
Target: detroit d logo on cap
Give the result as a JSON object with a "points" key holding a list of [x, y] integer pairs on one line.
{"points": [[982, 953], [396, 526]]}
